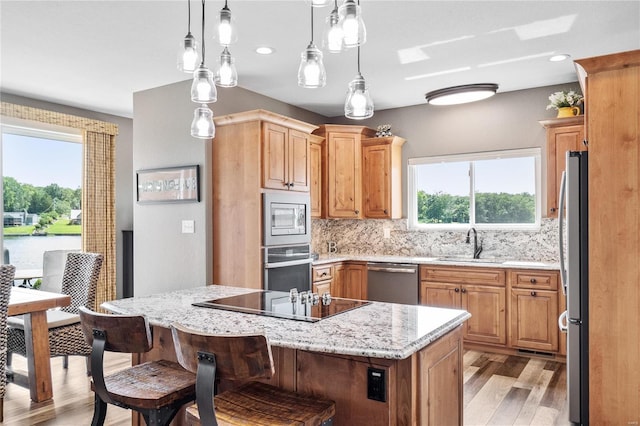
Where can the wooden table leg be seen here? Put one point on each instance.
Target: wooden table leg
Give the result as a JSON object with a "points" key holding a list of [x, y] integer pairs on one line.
{"points": [[36, 333]]}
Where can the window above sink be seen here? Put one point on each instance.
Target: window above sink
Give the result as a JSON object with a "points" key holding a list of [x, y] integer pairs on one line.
{"points": [[489, 190]]}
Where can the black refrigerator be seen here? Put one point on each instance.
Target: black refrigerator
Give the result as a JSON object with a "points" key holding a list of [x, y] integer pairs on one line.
{"points": [[574, 273]]}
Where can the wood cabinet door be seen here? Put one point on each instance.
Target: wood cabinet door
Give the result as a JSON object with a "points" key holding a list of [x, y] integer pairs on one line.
{"points": [[322, 287], [356, 282], [534, 319], [441, 295], [344, 175], [298, 161], [487, 306], [376, 190], [274, 156], [559, 141], [315, 179], [338, 283]]}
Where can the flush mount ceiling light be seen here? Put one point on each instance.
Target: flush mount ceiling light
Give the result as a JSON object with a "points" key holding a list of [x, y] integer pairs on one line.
{"points": [[461, 94], [311, 73], [264, 50], [558, 58], [188, 52]]}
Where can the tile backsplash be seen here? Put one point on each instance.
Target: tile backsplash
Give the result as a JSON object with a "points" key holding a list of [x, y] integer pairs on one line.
{"points": [[367, 237]]}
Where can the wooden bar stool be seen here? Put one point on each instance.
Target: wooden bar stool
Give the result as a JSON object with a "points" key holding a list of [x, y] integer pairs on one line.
{"points": [[242, 358], [155, 389]]}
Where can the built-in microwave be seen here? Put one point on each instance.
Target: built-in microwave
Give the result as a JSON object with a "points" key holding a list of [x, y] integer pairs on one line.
{"points": [[287, 218]]}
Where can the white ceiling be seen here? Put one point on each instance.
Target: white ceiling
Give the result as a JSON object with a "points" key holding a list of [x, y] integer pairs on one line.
{"points": [[96, 54]]}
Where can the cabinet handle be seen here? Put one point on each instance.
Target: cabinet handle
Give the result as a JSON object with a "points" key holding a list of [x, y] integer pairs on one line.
{"points": [[324, 274], [357, 212], [457, 290], [553, 209], [464, 290], [533, 293], [291, 185], [532, 281], [285, 184], [385, 211]]}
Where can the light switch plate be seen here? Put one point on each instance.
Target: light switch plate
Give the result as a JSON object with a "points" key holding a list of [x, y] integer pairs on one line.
{"points": [[188, 227], [386, 232]]}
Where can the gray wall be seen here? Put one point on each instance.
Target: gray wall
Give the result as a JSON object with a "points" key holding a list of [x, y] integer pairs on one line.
{"points": [[505, 121], [124, 184], [166, 259]]}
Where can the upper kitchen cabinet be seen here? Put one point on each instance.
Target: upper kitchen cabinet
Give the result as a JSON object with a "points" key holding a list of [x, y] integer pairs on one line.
{"points": [[342, 182], [317, 150], [563, 134], [251, 150], [285, 158], [382, 177]]}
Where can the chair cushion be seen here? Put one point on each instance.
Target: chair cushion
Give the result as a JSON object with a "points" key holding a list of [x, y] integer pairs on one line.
{"points": [[55, 318], [260, 404]]}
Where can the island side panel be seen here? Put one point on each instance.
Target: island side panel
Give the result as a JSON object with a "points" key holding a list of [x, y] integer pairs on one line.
{"points": [[440, 381]]}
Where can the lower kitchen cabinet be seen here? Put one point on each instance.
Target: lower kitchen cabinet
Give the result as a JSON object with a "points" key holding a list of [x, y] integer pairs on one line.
{"points": [[350, 280], [533, 310], [322, 287], [534, 319], [464, 288]]}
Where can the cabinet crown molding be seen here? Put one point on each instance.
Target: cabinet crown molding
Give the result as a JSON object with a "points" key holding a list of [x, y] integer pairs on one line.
{"points": [[264, 115], [344, 128], [384, 140]]}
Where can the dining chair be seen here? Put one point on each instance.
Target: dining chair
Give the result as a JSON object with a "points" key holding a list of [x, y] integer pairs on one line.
{"points": [[80, 281], [7, 272], [155, 389], [244, 359], [53, 263]]}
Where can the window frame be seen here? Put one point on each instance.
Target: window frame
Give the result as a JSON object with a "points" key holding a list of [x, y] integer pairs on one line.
{"points": [[412, 204]]}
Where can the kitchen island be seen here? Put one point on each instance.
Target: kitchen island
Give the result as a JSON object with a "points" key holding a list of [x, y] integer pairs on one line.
{"points": [[417, 350]]}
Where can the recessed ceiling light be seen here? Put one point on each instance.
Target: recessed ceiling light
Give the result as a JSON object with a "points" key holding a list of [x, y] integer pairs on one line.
{"points": [[264, 50], [558, 58], [461, 94]]}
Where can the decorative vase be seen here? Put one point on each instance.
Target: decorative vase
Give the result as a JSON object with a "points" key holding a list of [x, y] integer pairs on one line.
{"points": [[568, 112]]}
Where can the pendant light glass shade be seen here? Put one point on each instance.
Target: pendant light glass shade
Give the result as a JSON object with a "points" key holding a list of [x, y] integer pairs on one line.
{"points": [[226, 29], [203, 90], [333, 34], [202, 126], [319, 3], [311, 73], [188, 54], [226, 75], [358, 105], [353, 28]]}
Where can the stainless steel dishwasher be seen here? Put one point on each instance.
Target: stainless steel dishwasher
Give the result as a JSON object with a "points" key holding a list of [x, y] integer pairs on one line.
{"points": [[392, 282]]}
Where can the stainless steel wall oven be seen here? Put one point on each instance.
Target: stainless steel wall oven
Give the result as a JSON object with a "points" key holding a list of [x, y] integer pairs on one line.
{"points": [[287, 267]]}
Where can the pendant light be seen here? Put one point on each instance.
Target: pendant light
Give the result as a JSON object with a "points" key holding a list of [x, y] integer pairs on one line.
{"points": [[226, 75], [333, 34], [226, 29], [202, 126], [320, 3], [358, 104], [203, 90], [311, 73], [355, 33], [188, 52]]}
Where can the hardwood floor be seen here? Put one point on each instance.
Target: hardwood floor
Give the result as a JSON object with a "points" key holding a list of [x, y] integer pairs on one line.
{"points": [[513, 390], [498, 390]]}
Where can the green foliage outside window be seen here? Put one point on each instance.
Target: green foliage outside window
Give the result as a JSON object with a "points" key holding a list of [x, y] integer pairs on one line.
{"points": [[490, 208]]}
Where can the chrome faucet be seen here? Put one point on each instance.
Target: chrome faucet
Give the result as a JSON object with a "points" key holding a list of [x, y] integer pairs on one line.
{"points": [[477, 249]]}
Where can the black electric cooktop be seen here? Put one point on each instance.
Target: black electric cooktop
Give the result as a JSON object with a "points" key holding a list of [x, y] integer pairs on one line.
{"points": [[302, 306]]}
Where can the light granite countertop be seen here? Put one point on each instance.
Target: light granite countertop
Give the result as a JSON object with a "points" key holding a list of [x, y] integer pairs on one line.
{"points": [[443, 260], [377, 330]]}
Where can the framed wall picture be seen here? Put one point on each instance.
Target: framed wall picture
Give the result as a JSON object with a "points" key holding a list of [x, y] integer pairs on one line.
{"points": [[173, 184]]}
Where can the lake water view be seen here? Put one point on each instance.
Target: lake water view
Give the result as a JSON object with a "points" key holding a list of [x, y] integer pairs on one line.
{"points": [[25, 252]]}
